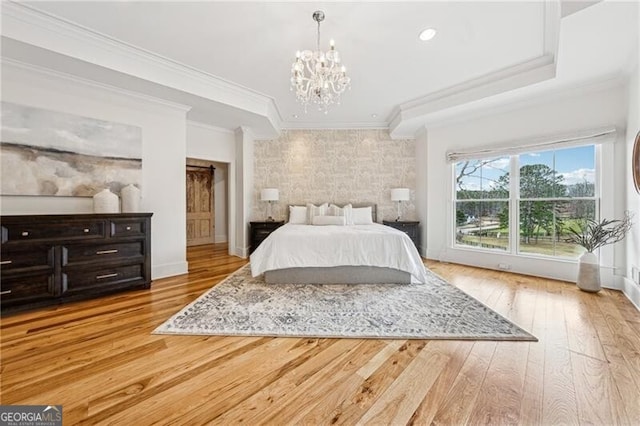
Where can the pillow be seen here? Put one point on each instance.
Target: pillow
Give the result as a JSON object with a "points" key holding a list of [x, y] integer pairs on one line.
{"points": [[297, 215], [313, 210], [329, 220], [345, 211], [362, 216]]}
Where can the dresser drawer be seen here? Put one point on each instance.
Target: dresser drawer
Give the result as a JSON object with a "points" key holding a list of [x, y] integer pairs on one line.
{"points": [[54, 231], [32, 257], [101, 278], [127, 227], [87, 253], [27, 287]]}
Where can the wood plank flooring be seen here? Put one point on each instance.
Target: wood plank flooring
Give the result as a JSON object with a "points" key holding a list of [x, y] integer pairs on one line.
{"points": [[98, 359]]}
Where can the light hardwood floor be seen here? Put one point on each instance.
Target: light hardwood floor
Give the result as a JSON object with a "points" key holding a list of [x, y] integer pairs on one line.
{"points": [[99, 360]]}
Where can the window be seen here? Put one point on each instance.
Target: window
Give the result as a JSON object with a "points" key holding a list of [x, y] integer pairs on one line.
{"points": [[482, 203], [551, 191]]}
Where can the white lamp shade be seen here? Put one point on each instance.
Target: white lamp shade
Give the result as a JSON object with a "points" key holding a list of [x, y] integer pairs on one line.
{"points": [[269, 194], [400, 194]]}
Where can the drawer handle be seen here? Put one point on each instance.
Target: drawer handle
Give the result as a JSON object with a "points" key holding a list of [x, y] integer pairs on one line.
{"points": [[25, 233], [128, 228], [101, 277], [86, 230], [106, 251], [6, 262], [5, 292]]}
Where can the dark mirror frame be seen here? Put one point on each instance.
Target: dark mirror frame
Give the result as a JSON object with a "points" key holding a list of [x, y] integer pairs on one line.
{"points": [[635, 165]]}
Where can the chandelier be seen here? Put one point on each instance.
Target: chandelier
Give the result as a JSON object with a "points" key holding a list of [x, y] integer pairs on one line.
{"points": [[317, 77]]}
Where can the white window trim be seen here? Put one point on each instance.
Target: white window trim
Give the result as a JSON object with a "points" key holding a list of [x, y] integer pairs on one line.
{"points": [[513, 247], [556, 268]]}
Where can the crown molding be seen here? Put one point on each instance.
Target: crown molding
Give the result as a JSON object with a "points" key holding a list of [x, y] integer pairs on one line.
{"points": [[607, 83], [534, 70], [353, 125], [209, 127], [515, 77], [49, 73], [30, 25]]}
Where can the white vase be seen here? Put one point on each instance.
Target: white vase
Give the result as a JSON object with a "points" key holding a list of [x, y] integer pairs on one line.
{"points": [[589, 273], [130, 199], [106, 201]]}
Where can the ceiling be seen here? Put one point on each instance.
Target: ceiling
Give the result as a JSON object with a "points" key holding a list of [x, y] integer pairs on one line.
{"points": [[230, 61]]}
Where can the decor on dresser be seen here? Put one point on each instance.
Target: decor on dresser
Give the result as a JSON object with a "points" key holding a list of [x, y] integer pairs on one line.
{"points": [[592, 235], [130, 199], [269, 195], [400, 195], [245, 306], [59, 154], [106, 201], [318, 77]]}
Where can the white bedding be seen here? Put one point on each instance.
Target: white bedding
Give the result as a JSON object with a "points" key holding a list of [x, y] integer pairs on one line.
{"points": [[299, 246]]}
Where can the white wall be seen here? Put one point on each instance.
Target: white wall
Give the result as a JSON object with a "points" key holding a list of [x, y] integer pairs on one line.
{"points": [[220, 184], [591, 109], [217, 145], [163, 157], [242, 196], [631, 289], [422, 185]]}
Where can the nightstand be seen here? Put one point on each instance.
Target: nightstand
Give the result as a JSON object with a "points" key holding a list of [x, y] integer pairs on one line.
{"points": [[411, 228], [261, 230]]}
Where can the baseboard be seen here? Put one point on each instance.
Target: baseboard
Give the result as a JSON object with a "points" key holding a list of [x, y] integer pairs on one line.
{"points": [[433, 254], [220, 238], [169, 270], [631, 290], [242, 252]]}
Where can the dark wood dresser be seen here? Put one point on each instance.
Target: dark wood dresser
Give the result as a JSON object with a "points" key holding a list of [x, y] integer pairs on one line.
{"points": [[261, 230], [52, 259], [411, 228]]}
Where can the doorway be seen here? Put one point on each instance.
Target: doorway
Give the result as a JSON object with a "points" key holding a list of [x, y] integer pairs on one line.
{"points": [[200, 205]]}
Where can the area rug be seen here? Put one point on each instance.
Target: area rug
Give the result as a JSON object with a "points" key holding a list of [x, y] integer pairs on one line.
{"points": [[245, 306]]}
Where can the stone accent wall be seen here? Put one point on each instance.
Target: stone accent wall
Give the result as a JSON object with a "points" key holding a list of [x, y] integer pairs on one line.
{"points": [[340, 166]]}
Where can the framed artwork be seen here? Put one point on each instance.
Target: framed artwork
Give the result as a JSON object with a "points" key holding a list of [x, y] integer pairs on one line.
{"points": [[51, 153], [635, 166]]}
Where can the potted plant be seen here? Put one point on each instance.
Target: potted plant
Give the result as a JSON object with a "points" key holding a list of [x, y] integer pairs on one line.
{"points": [[592, 235]]}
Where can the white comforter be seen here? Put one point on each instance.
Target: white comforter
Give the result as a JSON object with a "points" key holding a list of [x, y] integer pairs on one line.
{"points": [[297, 246]]}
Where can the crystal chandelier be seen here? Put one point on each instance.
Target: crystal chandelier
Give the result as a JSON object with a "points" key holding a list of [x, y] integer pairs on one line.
{"points": [[317, 76]]}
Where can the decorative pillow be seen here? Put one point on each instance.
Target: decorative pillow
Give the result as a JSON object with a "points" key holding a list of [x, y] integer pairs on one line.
{"points": [[329, 220], [345, 211], [362, 216], [313, 210], [298, 215]]}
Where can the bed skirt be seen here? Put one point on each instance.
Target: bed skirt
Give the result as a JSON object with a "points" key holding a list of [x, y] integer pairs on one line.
{"points": [[338, 275]]}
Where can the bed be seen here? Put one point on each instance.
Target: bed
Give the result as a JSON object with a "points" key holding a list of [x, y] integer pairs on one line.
{"points": [[346, 254]]}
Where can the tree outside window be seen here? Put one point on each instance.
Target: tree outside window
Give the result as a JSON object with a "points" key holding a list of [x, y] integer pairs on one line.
{"points": [[556, 190]]}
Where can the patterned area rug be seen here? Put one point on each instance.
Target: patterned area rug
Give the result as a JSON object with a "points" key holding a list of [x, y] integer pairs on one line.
{"points": [[245, 306]]}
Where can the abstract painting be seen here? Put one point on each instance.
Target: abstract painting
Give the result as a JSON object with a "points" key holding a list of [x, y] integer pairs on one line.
{"points": [[51, 153]]}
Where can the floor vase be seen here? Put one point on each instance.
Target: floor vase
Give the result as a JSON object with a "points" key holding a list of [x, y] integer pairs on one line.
{"points": [[589, 273]]}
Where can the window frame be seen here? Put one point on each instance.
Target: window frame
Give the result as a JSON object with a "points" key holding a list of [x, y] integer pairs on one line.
{"points": [[514, 201]]}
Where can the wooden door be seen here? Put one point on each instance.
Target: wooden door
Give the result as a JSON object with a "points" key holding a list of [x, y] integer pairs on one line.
{"points": [[200, 213]]}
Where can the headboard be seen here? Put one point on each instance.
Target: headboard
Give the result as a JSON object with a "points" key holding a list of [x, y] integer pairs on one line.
{"points": [[374, 208]]}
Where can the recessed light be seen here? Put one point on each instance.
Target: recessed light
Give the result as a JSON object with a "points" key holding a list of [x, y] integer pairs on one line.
{"points": [[374, 115], [428, 34], [294, 115]]}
